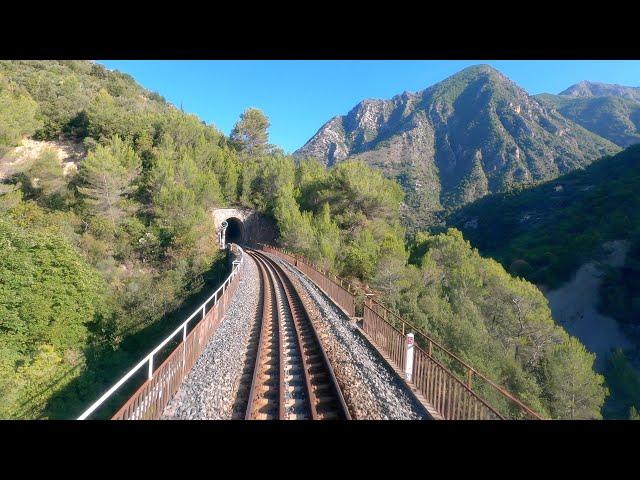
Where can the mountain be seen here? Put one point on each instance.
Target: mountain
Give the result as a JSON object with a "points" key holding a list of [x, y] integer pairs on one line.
{"points": [[611, 111], [83, 254], [587, 89], [472, 134], [565, 234], [556, 226]]}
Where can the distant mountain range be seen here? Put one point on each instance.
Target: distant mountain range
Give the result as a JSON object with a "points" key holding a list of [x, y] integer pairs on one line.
{"points": [[586, 89], [611, 111], [558, 225], [476, 133]]}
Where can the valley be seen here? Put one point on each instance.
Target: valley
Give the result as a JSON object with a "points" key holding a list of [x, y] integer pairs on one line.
{"points": [[529, 180], [502, 223], [574, 305]]}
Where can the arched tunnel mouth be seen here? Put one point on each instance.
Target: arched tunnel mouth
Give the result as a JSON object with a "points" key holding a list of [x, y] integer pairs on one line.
{"points": [[235, 231]]}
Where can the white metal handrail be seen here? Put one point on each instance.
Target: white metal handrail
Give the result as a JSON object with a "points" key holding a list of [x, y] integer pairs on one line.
{"points": [[148, 360]]}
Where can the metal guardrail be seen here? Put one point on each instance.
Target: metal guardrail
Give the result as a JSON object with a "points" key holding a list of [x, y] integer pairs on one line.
{"points": [[149, 400], [429, 351], [434, 367]]}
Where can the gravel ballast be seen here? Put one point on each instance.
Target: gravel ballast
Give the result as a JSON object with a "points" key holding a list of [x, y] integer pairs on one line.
{"points": [[213, 389], [209, 391], [371, 388]]}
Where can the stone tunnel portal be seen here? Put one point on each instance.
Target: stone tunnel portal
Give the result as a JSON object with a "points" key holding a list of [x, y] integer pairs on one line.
{"points": [[235, 231], [243, 226]]}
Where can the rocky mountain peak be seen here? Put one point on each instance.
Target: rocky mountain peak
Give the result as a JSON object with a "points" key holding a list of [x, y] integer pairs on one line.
{"points": [[474, 133], [586, 89]]}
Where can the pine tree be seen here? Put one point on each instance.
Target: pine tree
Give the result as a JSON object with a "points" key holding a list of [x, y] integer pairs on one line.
{"points": [[46, 174], [249, 134], [17, 115], [577, 392], [107, 176]]}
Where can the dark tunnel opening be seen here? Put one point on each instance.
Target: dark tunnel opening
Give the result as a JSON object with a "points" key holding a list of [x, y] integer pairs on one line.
{"points": [[234, 232]]}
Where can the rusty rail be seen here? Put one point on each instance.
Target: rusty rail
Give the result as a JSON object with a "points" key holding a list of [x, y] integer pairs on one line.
{"points": [[149, 401], [449, 384], [333, 286], [323, 395]]}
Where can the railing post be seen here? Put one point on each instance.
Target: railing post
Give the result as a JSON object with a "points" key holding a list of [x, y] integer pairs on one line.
{"points": [[184, 345], [150, 367], [204, 306], [408, 364], [469, 378]]}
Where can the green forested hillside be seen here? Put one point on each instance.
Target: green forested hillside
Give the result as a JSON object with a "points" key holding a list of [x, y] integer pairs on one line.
{"points": [[470, 135], [119, 246], [348, 222], [612, 117], [545, 233], [136, 214], [50, 299]]}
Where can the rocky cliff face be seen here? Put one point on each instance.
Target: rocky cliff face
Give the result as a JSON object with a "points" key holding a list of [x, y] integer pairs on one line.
{"points": [[474, 133]]}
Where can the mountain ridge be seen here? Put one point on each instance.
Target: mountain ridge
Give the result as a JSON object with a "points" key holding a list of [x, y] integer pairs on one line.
{"points": [[609, 110], [587, 89], [474, 133]]}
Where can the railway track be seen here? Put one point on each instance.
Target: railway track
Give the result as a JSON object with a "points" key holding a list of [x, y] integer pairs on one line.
{"points": [[290, 375]]}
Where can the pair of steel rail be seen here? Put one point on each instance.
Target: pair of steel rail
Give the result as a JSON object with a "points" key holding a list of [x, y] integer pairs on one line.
{"points": [[292, 376]]}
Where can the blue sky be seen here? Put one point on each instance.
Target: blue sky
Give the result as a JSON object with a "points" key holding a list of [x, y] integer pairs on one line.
{"points": [[300, 96]]}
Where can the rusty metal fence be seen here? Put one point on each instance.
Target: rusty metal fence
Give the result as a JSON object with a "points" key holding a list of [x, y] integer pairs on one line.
{"points": [[448, 383], [455, 389], [149, 401], [333, 286]]}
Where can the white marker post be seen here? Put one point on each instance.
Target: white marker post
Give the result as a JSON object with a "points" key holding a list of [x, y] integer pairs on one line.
{"points": [[408, 363], [223, 230]]}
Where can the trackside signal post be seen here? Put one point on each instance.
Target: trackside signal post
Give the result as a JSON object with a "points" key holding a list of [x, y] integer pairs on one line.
{"points": [[408, 364], [221, 235]]}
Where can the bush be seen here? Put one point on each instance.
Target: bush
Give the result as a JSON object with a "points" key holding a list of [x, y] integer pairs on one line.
{"points": [[48, 297], [18, 115]]}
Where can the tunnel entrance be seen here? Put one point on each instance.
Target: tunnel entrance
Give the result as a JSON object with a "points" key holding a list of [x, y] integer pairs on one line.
{"points": [[234, 232]]}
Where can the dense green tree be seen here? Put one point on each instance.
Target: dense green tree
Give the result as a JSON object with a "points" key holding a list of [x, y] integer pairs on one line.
{"points": [[276, 176], [327, 239], [250, 134], [354, 189], [360, 256], [18, 115], [311, 177], [624, 383], [575, 391], [296, 229], [48, 298], [227, 168], [502, 325], [107, 176], [46, 180]]}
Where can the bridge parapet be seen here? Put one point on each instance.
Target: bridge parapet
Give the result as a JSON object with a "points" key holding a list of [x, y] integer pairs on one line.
{"points": [[454, 389], [192, 335]]}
